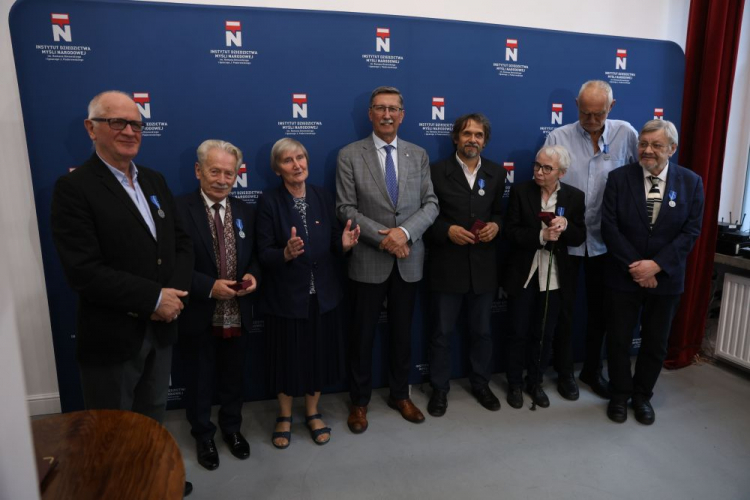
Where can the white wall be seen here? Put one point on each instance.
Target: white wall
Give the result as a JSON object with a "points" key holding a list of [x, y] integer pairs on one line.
{"points": [[25, 317], [734, 178]]}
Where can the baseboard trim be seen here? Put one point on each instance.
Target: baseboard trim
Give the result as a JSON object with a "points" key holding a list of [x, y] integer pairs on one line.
{"points": [[43, 404]]}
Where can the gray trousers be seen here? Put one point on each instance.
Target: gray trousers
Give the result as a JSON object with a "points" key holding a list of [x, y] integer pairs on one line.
{"points": [[139, 384]]}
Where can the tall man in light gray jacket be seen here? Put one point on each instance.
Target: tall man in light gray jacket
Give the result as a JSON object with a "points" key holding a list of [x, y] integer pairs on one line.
{"points": [[383, 184]]}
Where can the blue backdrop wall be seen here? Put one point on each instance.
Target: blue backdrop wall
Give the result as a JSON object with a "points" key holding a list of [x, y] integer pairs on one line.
{"points": [[252, 76]]}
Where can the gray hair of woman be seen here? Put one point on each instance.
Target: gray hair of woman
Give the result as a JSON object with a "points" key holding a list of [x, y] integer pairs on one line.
{"points": [[558, 152], [283, 146]]}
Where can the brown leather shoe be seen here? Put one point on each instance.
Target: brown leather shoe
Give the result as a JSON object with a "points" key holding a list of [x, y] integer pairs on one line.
{"points": [[407, 409], [357, 420]]}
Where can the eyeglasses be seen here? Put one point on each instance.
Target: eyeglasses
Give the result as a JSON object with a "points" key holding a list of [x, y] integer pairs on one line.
{"points": [[121, 123], [380, 109], [656, 146], [547, 169]]}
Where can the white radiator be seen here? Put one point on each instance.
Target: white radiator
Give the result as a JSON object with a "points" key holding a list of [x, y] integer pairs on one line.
{"points": [[733, 339]]}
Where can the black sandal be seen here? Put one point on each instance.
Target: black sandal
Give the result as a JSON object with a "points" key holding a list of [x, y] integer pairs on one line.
{"points": [[282, 434], [316, 433]]}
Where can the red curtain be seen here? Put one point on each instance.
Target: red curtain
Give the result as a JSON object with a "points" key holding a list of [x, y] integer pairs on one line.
{"points": [[710, 57]]}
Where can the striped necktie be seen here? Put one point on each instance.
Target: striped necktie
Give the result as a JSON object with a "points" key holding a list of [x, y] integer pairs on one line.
{"points": [[654, 197]]}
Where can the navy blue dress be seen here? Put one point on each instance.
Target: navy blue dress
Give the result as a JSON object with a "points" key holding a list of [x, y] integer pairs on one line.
{"points": [[300, 297]]}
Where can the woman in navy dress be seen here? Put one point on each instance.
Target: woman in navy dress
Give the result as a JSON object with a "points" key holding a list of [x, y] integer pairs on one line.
{"points": [[299, 246]]}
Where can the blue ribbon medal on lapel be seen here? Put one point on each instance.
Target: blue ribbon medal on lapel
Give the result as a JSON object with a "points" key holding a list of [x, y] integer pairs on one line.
{"points": [[240, 226], [672, 197], [481, 187], [155, 201], [560, 211]]}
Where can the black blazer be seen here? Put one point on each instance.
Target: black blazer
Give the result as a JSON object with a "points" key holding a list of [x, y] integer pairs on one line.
{"points": [[286, 285], [625, 227], [522, 228], [196, 317], [114, 264], [463, 268]]}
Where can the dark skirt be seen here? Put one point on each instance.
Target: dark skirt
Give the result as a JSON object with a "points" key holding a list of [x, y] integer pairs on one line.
{"points": [[306, 355]]}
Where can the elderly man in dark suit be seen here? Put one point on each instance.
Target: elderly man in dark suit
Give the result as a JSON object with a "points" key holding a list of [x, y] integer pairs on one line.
{"points": [[124, 252], [651, 217], [214, 326], [383, 185], [463, 258]]}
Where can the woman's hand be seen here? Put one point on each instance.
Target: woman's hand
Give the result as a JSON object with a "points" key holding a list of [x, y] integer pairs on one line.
{"points": [[294, 247], [350, 237]]}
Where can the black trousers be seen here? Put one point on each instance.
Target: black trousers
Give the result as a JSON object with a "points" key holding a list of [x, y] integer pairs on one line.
{"points": [[368, 301], [214, 362], [525, 346], [445, 310], [596, 323], [656, 314]]}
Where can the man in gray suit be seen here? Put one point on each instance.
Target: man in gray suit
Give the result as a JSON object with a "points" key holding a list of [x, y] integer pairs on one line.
{"points": [[383, 183]]}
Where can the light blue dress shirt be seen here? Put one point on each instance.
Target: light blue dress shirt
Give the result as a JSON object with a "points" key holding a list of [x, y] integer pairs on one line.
{"points": [[618, 146], [139, 199]]}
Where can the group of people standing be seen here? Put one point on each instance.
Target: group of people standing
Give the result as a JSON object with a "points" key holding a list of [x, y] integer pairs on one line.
{"points": [[145, 264]]}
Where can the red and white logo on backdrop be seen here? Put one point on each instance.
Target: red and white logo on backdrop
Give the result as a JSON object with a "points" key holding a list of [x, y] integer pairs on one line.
{"points": [[382, 39], [299, 105], [233, 33], [557, 113], [658, 113], [241, 180], [438, 108], [61, 27], [511, 49], [621, 62], [510, 167], [144, 104]]}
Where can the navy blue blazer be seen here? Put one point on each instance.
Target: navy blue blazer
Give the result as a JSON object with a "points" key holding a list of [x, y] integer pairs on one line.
{"points": [[522, 226], [196, 317], [625, 227], [286, 291]]}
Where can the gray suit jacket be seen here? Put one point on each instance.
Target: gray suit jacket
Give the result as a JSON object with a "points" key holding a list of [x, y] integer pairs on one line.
{"points": [[361, 196]]}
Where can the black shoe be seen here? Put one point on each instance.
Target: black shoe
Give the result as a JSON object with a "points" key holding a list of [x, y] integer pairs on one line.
{"points": [[486, 398], [208, 457], [515, 397], [537, 395], [644, 412], [188, 489], [617, 410], [238, 445], [438, 403], [567, 387], [598, 384]]}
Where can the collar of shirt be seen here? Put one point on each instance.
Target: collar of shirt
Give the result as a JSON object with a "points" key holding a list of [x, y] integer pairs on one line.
{"points": [[211, 203], [120, 175], [662, 177], [135, 193], [552, 200], [603, 139], [470, 177], [380, 143], [380, 148]]}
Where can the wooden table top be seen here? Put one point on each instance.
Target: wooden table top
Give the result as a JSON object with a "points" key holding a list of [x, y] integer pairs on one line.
{"points": [[108, 454]]}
